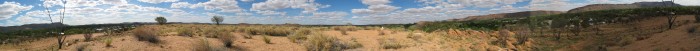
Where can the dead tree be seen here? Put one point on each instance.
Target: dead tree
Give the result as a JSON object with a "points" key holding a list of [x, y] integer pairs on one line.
{"points": [[671, 19], [61, 36]]}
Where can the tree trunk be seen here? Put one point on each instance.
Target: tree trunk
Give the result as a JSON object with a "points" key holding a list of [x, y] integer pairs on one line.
{"points": [[670, 21]]}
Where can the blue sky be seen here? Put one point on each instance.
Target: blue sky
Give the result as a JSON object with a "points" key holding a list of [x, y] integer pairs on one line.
{"points": [[80, 12]]}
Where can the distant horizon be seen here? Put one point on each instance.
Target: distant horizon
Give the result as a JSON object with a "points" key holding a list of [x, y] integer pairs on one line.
{"points": [[305, 12]]}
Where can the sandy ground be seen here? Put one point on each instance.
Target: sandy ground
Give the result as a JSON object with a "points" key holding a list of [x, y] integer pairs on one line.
{"points": [[677, 39], [45, 44]]}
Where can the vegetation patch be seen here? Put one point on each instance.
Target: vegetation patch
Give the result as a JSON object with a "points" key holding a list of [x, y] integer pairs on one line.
{"points": [[146, 35]]}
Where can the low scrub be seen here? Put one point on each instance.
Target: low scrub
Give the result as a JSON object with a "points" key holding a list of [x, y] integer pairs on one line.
{"points": [[146, 35], [227, 39], [108, 42], [269, 30], [185, 32], [343, 32], [320, 42], [299, 35], [267, 39], [82, 47], [203, 45], [87, 36], [389, 44]]}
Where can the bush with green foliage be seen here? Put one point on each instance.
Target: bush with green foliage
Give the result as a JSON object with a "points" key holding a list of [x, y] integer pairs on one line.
{"points": [[161, 20]]}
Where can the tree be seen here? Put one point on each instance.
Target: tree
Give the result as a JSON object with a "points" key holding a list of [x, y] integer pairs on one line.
{"points": [[161, 20], [217, 19]]}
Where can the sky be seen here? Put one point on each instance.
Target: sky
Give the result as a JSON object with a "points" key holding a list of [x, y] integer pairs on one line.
{"points": [[308, 12]]}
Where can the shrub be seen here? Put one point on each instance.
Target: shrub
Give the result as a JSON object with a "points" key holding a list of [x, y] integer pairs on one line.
{"points": [[146, 35], [266, 39], [277, 31], [298, 35], [352, 44], [390, 44], [343, 32], [186, 32], [203, 45], [88, 36], [693, 30], [247, 36], [320, 42], [82, 47], [227, 39], [108, 42], [381, 32]]}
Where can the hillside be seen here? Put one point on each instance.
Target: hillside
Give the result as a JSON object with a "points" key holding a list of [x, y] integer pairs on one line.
{"points": [[508, 15], [31, 27], [595, 7]]}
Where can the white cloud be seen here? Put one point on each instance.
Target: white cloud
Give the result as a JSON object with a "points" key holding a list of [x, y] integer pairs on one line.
{"points": [[247, 0], [271, 5], [270, 13], [82, 3], [562, 5], [9, 9], [221, 5], [181, 5], [375, 7], [469, 3], [157, 1], [375, 2]]}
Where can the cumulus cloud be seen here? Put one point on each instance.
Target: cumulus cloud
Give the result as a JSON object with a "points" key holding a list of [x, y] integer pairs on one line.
{"points": [[247, 0], [563, 5], [221, 5], [271, 5], [181, 5], [469, 3], [82, 3], [9, 9], [157, 1], [375, 7]]}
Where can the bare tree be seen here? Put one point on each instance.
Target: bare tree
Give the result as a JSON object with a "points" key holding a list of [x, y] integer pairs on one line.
{"points": [[670, 18], [161, 20], [61, 38], [217, 19]]}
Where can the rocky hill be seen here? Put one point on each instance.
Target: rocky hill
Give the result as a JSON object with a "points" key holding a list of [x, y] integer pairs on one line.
{"points": [[595, 7], [508, 15], [31, 27]]}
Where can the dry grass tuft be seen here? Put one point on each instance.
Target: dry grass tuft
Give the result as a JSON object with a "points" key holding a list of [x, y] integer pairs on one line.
{"points": [[343, 32], [185, 32], [266, 39], [108, 42], [320, 42], [227, 39], [82, 47], [299, 35], [390, 44], [146, 35], [203, 45]]}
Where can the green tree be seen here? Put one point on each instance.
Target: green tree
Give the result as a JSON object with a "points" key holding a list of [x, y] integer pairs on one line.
{"points": [[217, 19], [161, 20]]}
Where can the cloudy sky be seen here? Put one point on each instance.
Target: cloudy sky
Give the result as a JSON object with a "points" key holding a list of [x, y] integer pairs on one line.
{"points": [[80, 12]]}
